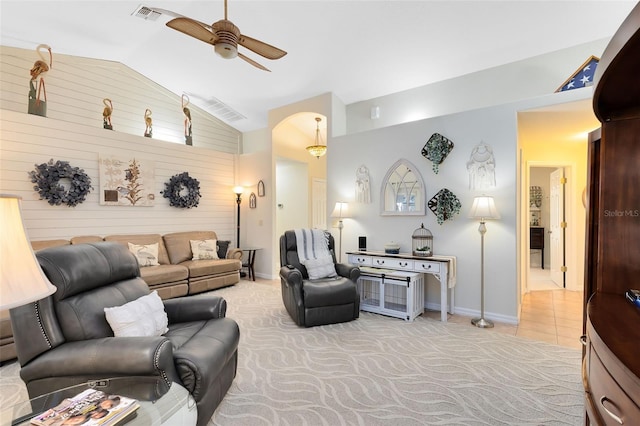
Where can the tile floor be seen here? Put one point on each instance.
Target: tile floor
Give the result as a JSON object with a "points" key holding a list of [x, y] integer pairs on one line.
{"points": [[552, 315]]}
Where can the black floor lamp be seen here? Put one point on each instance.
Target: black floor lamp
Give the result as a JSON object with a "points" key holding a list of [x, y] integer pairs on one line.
{"points": [[483, 208], [238, 190]]}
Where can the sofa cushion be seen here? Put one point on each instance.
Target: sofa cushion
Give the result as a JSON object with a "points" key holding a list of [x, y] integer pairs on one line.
{"points": [[163, 258], [147, 254], [179, 246], [83, 239], [223, 247], [161, 274], [204, 249], [144, 316], [202, 268], [39, 245]]}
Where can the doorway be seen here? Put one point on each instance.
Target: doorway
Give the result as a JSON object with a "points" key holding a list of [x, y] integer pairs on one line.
{"points": [[547, 239]]}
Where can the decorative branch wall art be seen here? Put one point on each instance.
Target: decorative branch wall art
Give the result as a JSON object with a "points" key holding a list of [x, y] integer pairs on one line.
{"points": [[182, 190], [60, 183], [436, 150], [38, 106], [106, 114], [126, 182], [363, 185], [481, 167]]}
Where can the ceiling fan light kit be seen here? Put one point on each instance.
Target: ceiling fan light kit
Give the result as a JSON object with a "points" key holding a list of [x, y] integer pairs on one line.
{"points": [[225, 38]]}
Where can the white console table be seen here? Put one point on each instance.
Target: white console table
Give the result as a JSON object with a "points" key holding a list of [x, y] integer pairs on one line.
{"points": [[438, 266]]}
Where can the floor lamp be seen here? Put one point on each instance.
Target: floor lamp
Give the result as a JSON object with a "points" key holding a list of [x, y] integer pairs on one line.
{"points": [[238, 190], [483, 208], [21, 279], [341, 211]]}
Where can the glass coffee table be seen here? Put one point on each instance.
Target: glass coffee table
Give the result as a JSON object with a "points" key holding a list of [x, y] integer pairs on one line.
{"points": [[160, 404]]}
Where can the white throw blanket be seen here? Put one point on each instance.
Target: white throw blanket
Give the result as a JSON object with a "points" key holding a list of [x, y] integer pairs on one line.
{"points": [[312, 244]]}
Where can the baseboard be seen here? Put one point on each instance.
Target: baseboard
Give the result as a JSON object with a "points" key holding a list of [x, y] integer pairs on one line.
{"points": [[472, 313]]}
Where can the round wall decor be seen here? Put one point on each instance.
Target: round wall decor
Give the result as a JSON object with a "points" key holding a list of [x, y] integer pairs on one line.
{"points": [[182, 191], [47, 177]]}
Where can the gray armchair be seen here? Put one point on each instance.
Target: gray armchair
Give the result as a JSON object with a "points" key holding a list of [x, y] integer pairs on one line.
{"points": [[317, 302], [65, 339]]}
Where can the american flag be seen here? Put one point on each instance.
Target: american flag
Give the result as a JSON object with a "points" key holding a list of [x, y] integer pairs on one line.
{"points": [[583, 77]]}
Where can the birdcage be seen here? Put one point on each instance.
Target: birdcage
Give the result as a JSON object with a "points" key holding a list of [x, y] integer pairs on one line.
{"points": [[422, 242]]}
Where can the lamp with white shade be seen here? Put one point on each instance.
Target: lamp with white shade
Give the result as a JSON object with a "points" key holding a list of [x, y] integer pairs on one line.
{"points": [[483, 208], [21, 279], [340, 211]]}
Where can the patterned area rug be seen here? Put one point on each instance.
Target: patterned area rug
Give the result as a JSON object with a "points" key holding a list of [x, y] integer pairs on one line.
{"points": [[383, 371]]}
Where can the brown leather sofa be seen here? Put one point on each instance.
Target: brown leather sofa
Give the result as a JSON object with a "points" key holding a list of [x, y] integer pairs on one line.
{"points": [[176, 276]]}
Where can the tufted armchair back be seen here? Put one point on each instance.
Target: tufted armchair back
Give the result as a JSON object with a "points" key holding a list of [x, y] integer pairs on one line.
{"points": [[88, 277]]}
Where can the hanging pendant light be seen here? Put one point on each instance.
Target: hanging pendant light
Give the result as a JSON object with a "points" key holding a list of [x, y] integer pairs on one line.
{"points": [[317, 150]]}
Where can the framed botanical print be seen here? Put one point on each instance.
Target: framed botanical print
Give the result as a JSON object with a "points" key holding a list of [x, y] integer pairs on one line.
{"points": [[260, 188], [252, 201]]}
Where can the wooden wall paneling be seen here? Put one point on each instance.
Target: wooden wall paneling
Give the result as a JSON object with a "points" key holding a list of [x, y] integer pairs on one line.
{"points": [[76, 87]]}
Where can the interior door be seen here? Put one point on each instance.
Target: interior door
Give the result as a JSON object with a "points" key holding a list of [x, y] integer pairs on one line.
{"points": [[556, 226], [319, 203]]}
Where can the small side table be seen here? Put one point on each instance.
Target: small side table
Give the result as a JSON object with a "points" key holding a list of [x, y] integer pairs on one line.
{"points": [[251, 258]]}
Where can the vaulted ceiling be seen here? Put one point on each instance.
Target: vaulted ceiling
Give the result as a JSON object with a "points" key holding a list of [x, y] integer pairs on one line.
{"points": [[356, 49]]}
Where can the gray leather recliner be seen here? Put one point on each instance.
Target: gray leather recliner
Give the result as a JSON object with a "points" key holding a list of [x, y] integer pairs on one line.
{"points": [[65, 339], [317, 302]]}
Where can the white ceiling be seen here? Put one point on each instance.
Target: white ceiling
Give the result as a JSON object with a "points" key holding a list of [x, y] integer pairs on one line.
{"points": [[357, 49]]}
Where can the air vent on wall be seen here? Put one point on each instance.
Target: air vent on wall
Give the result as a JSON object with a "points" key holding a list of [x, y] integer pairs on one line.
{"points": [[146, 13], [222, 110]]}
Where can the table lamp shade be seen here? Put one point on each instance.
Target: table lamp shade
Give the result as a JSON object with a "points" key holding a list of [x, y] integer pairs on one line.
{"points": [[484, 208], [21, 279], [341, 210]]}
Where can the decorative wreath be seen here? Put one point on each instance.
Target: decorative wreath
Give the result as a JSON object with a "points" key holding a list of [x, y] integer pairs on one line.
{"points": [[175, 189], [47, 177]]}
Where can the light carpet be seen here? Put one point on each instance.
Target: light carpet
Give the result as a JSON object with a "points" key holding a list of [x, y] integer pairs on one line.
{"points": [[385, 371]]}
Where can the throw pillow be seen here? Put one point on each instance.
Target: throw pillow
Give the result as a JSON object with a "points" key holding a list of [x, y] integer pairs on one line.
{"points": [[321, 267], [146, 254], [144, 316], [204, 249], [223, 247]]}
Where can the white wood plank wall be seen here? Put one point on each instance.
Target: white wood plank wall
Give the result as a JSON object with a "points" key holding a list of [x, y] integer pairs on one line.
{"points": [[75, 89], [73, 132]]}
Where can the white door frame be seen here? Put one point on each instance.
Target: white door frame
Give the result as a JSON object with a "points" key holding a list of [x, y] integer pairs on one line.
{"points": [[571, 248]]}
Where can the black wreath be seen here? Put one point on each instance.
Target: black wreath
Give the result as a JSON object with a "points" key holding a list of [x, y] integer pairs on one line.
{"points": [[47, 177], [176, 185]]}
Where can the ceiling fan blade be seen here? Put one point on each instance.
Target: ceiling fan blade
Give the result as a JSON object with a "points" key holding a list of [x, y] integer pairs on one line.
{"points": [[252, 62], [260, 47], [193, 28]]}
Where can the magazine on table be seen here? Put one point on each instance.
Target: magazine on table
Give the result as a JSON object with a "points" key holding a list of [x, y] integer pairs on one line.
{"points": [[90, 407]]}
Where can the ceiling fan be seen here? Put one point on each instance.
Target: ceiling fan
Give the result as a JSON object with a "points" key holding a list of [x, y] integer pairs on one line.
{"points": [[225, 38]]}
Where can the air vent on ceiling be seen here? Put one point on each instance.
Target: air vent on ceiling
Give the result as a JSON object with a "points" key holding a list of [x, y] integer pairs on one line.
{"points": [[146, 13]]}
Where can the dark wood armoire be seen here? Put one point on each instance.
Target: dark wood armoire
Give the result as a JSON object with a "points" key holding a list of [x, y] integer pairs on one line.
{"points": [[611, 359]]}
